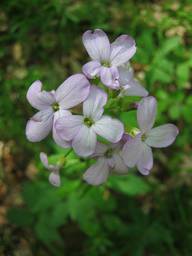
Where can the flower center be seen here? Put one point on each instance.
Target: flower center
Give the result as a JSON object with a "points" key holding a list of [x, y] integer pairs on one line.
{"points": [[88, 121], [55, 106], [143, 137], [134, 132], [106, 64], [109, 153]]}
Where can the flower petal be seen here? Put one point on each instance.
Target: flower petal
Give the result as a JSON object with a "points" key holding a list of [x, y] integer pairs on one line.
{"points": [[109, 77], [93, 105], [133, 88], [110, 129], [44, 160], [67, 127], [97, 44], [119, 166], [162, 136], [91, 69], [122, 50], [132, 151], [97, 173], [54, 179], [50, 167], [72, 91], [39, 126], [125, 75], [100, 149], [146, 113], [84, 142], [39, 99], [145, 162], [57, 138]]}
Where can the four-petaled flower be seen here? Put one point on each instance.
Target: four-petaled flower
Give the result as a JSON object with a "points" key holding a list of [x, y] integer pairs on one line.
{"points": [[83, 130], [54, 104], [106, 57], [54, 176], [109, 160], [137, 151]]}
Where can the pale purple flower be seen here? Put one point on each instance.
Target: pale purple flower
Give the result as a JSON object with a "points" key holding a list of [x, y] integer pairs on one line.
{"points": [[137, 151], [109, 160], [54, 104], [128, 85], [83, 130], [106, 57], [54, 176]]}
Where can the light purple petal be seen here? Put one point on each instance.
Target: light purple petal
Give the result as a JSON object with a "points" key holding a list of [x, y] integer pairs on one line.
{"points": [[109, 77], [132, 151], [145, 162], [84, 142], [40, 125], [133, 88], [119, 166], [108, 128], [97, 173], [97, 45], [54, 179], [67, 127], [125, 75], [73, 91], [39, 99], [50, 167], [162, 136], [44, 160], [91, 69], [57, 138], [146, 113], [100, 149], [93, 105], [122, 50]]}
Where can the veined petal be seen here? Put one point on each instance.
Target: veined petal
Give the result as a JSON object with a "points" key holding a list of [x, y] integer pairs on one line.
{"points": [[93, 105], [133, 88], [100, 149], [145, 162], [67, 127], [72, 91], [162, 136], [97, 44], [122, 50], [132, 151], [40, 125], [91, 69], [39, 99], [119, 166], [109, 77], [97, 173], [108, 128], [84, 142], [125, 75], [57, 138], [146, 113]]}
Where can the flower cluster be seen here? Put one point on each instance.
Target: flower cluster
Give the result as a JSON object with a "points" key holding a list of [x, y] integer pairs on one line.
{"points": [[92, 130]]}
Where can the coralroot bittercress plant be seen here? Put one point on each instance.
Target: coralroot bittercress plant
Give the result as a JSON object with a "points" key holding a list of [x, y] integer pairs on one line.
{"points": [[92, 133]]}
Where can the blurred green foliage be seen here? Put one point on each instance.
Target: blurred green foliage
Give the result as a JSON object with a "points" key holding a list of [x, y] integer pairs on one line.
{"points": [[130, 215]]}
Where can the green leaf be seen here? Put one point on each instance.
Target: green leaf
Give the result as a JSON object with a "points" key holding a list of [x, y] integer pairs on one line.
{"points": [[129, 119], [20, 217], [129, 185]]}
